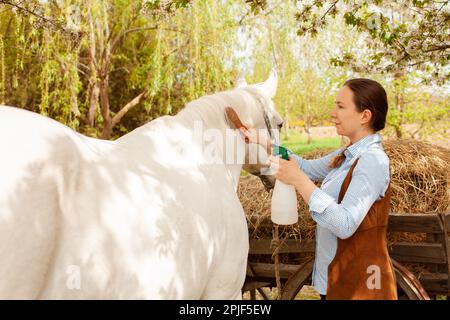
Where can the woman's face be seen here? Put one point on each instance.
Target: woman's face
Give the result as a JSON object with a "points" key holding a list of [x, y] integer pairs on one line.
{"points": [[347, 119]]}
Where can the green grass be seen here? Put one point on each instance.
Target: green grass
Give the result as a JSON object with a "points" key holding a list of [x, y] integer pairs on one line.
{"points": [[297, 143]]}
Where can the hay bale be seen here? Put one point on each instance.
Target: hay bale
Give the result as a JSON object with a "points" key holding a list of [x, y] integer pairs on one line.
{"points": [[419, 182], [419, 176]]}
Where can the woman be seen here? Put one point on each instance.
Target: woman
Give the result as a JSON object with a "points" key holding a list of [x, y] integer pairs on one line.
{"points": [[351, 207]]}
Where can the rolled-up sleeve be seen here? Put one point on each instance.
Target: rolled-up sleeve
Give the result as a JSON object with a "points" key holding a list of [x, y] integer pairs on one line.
{"points": [[369, 180], [319, 201]]}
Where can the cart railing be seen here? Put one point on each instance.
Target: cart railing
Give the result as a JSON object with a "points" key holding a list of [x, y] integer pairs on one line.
{"points": [[434, 253]]}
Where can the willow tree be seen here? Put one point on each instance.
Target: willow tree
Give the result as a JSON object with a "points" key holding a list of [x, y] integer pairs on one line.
{"points": [[89, 64], [39, 68], [179, 60], [59, 57]]}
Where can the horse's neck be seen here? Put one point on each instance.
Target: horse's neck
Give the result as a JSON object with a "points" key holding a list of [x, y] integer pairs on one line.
{"points": [[187, 138], [207, 123]]}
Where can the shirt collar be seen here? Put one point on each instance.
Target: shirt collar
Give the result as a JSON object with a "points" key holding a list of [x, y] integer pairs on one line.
{"points": [[355, 150]]}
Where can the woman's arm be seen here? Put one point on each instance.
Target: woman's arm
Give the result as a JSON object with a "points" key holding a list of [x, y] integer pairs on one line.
{"points": [[315, 169], [370, 180]]}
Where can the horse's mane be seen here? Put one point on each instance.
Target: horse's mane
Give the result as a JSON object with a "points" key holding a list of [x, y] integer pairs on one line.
{"points": [[210, 108]]}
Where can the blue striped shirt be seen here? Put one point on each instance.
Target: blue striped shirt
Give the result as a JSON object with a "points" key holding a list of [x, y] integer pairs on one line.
{"points": [[370, 180]]}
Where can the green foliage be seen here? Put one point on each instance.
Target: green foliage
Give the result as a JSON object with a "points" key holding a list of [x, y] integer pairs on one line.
{"points": [[426, 108], [57, 57], [307, 83], [256, 6], [2, 71], [174, 50], [156, 7], [402, 35]]}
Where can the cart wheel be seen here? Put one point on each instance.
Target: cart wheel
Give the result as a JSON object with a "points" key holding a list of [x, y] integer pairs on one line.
{"points": [[295, 283], [409, 283]]}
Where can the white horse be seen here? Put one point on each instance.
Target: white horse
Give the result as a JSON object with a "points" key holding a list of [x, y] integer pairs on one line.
{"points": [[143, 217]]}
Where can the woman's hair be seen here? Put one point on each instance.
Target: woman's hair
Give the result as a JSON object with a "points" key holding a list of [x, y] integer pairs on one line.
{"points": [[337, 160], [369, 94]]}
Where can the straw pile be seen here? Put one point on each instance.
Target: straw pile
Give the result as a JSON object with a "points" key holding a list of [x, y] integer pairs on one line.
{"points": [[419, 176], [419, 182]]}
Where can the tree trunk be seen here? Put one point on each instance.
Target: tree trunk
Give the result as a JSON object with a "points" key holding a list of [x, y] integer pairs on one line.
{"points": [[105, 59], [100, 67], [308, 129], [93, 103], [105, 109], [399, 104], [286, 124], [398, 131], [94, 91]]}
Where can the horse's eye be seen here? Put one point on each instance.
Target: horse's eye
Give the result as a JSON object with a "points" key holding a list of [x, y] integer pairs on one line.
{"points": [[280, 126]]}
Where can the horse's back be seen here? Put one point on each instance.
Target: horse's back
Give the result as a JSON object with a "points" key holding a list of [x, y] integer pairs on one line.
{"points": [[35, 152], [140, 221]]}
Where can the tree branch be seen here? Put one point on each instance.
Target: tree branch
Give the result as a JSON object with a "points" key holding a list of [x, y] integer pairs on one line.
{"points": [[176, 49], [23, 9], [438, 48], [324, 15], [116, 119]]}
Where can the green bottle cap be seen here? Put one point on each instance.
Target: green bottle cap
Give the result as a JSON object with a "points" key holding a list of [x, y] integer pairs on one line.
{"points": [[279, 150]]}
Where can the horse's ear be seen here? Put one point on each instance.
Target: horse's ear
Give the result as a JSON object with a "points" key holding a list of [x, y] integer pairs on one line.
{"points": [[270, 85], [240, 80]]}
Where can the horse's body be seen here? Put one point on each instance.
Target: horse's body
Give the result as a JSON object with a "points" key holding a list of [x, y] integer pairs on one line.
{"points": [[141, 217]]}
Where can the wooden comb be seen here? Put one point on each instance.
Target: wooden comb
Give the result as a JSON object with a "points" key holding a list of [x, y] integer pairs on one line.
{"points": [[235, 120]]}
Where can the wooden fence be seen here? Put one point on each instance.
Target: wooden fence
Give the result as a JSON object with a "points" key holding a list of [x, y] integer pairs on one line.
{"points": [[434, 254]]}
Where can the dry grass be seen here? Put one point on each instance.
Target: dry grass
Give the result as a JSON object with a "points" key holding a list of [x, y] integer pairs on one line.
{"points": [[420, 176]]}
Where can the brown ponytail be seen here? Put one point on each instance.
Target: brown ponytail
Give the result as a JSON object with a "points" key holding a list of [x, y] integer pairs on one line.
{"points": [[337, 160]]}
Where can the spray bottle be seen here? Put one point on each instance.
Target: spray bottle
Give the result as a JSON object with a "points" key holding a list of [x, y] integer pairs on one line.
{"points": [[284, 197]]}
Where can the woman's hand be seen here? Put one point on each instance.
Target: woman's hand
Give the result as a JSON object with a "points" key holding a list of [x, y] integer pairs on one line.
{"points": [[252, 135], [249, 134], [286, 171], [289, 172]]}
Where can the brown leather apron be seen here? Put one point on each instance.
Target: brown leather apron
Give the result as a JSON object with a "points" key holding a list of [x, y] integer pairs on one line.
{"points": [[362, 268]]}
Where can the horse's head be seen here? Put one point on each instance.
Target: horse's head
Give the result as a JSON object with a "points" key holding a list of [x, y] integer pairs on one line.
{"points": [[261, 114]]}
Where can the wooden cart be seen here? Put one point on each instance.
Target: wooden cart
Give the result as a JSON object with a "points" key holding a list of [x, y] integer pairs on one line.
{"points": [[434, 254]]}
